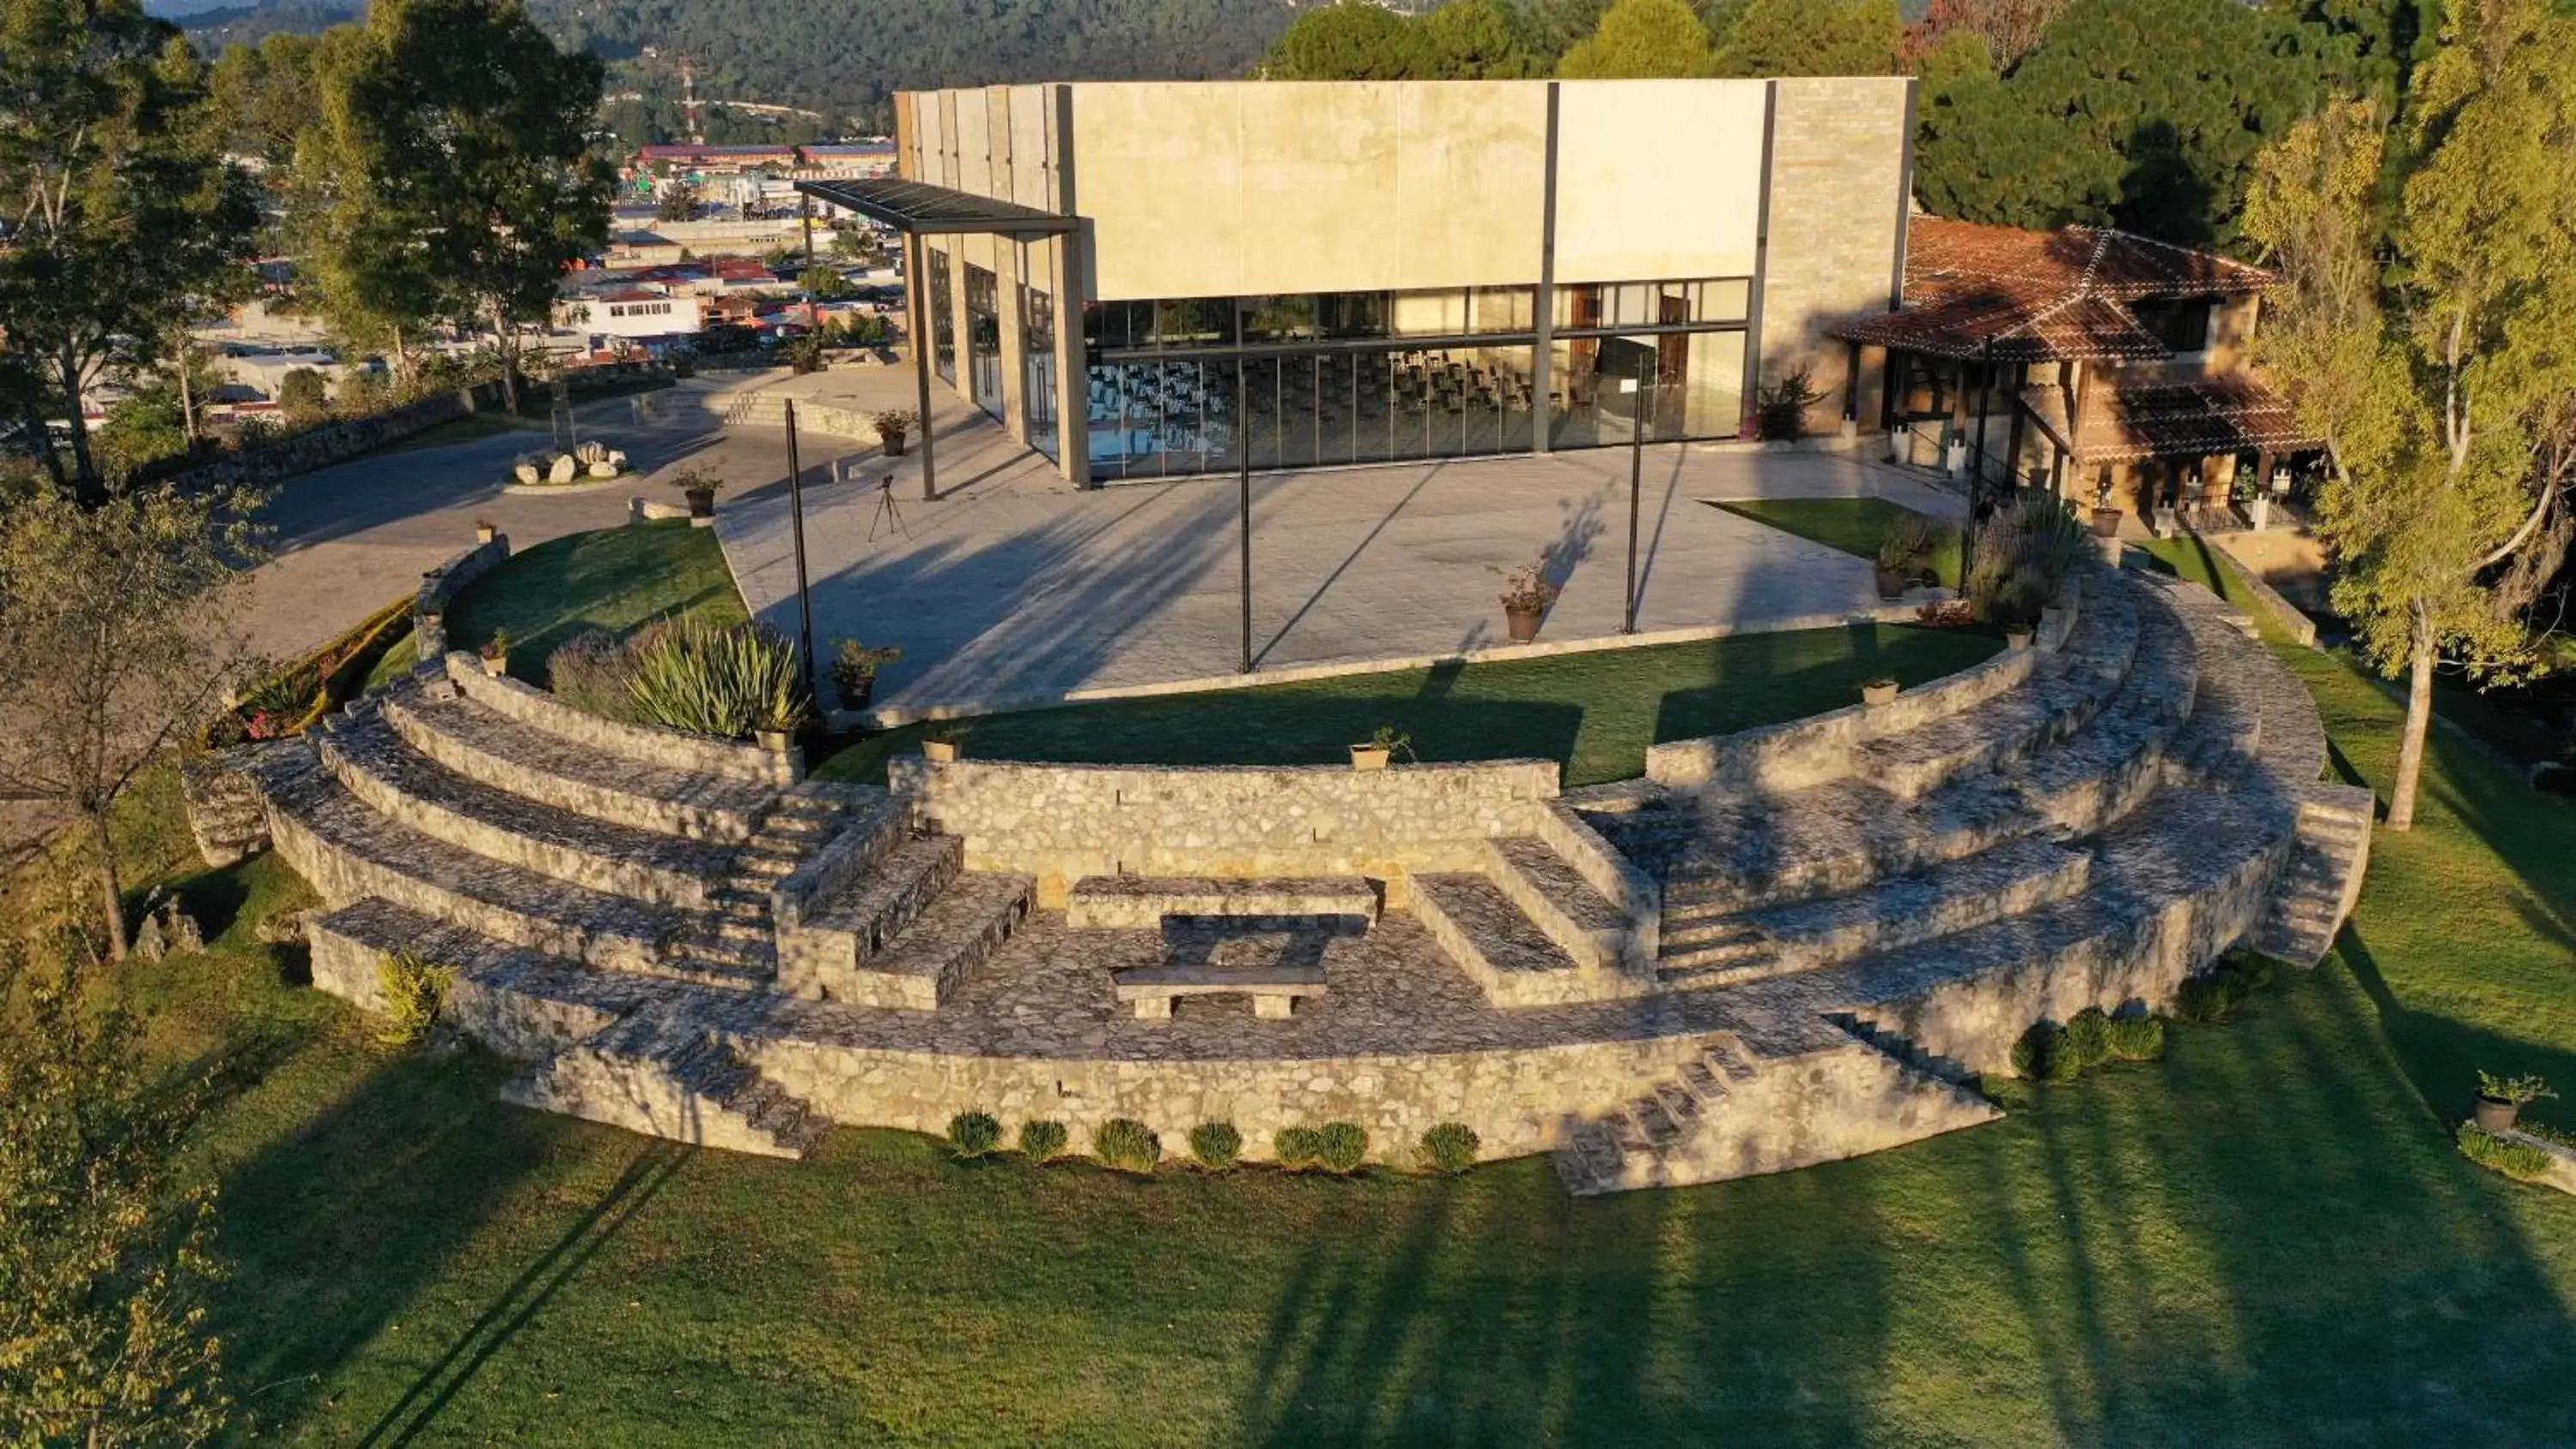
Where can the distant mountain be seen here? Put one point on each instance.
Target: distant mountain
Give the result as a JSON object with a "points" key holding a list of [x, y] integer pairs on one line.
{"points": [[847, 56]]}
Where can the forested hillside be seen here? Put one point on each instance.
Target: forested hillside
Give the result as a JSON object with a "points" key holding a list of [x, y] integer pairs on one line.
{"points": [[847, 56]]}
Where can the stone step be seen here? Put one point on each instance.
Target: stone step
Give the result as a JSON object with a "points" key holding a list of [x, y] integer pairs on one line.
{"points": [[1584, 923], [1498, 947], [897, 887], [349, 851], [655, 1073], [1134, 902], [1808, 935], [1831, 839], [476, 742], [516, 1001], [371, 761], [926, 961]]}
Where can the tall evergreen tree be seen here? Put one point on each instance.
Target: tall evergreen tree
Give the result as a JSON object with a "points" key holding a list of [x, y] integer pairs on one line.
{"points": [[1642, 38], [1476, 40], [1347, 40], [1811, 37]]}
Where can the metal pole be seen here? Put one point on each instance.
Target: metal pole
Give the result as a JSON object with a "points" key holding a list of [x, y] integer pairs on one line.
{"points": [[1243, 491], [796, 522], [1636, 476], [916, 298]]}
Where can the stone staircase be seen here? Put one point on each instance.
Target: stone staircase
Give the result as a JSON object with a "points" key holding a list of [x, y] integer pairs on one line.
{"points": [[2318, 889], [660, 1073]]}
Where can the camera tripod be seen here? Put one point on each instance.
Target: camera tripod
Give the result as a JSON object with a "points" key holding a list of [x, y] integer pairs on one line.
{"points": [[886, 512]]}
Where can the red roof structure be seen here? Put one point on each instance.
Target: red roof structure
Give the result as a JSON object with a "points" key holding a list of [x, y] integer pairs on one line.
{"points": [[1974, 291], [2199, 418]]}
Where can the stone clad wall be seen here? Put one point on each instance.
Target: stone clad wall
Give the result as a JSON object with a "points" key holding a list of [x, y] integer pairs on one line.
{"points": [[441, 585], [1818, 749], [1062, 822], [1514, 1099]]}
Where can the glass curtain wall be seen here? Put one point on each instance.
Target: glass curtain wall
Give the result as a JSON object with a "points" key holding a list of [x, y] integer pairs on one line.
{"points": [[1369, 377], [984, 338], [943, 320], [1037, 329]]}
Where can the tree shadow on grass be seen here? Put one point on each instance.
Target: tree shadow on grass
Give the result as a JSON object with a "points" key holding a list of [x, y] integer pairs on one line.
{"points": [[1771, 677], [332, 1229]]}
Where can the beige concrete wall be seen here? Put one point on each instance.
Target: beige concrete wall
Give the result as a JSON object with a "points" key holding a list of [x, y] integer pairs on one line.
{"points": [[1220, 189], [1838, 161], [1658, 179]]}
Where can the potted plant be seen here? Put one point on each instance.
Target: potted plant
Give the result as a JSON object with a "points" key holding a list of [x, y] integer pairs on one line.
{"points": [[699, 487], [854, 673], [943, 742], [485, 530], [2106, 522], [2501, 1099], [1878, 692], [1527, 595], [496, 653], [893, 426], [1381, 747], [2017, 634]]}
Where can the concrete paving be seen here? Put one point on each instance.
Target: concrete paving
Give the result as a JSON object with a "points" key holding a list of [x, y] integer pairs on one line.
{"points": [[1014, 588]]}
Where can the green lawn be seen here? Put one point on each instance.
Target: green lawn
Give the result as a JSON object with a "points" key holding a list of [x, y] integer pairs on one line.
{"points": [[618, 579], [1593, 712], [1855, 525], [2264, 1239]]}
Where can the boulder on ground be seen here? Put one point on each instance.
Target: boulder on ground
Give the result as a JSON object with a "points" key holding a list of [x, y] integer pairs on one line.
{"points": [[564, 469], [603, 469], [617, 460], [526, 473], [590, 452], [285, 928]]}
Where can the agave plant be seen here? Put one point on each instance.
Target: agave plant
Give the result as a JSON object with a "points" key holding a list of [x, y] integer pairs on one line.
{"points": [[725, 680]]}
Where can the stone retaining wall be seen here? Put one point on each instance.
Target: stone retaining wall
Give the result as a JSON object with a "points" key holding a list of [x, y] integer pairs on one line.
{"points": [[1060, 823], [669, 749], [225, 811], [440, 586], [1514, 1099], [338, 442]]}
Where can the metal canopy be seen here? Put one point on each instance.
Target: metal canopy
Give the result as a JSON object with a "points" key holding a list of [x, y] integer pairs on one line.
{"points": [[917, 208]]}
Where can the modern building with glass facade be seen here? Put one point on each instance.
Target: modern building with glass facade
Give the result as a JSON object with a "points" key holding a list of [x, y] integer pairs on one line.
{"points": [[1336, 273]]}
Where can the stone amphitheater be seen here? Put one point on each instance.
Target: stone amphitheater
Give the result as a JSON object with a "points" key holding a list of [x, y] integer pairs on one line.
{"points": [[1777, 948]]}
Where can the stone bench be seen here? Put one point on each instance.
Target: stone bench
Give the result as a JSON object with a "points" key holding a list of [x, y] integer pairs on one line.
{"points": [[1274, 990]]}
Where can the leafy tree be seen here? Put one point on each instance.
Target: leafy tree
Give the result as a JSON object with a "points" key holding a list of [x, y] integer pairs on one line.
{"points": [[120, 208], [1475, 40], [681, 202], [468, 132], [104, 1262], [114, 640], [1642, 38], [1553, 27], [303, 394], [1812, 37], [1346, 40], [2448, 401], [2009, 29], [2145, 114], [265, 93], [823, 282]]}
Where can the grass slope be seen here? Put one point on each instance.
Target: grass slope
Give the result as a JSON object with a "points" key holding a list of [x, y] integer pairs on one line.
{"points": [[618, 579], [2264, 1239], [1593, 712], [1854, 525]]}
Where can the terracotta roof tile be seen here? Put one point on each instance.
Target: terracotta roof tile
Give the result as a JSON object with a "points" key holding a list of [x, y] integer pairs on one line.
{"points": [[2164, 418]]}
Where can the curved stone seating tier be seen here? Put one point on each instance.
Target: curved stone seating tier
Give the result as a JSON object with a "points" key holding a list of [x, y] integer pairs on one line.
{"points": [[1781, 948], [446, 726]]}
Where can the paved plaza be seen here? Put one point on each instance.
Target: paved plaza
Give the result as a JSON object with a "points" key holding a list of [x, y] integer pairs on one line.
{"points": [[1014, 588]]}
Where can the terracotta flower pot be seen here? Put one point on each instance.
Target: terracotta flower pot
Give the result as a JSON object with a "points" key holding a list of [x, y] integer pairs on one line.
{"points": [[855, 693], [496, 665], [702, 502], [1891, 585], [1369, 757], [939, 752], [1879, 693], [484, 532], [774, 741], [2106, 523], [1523, 623], [894, 444], [2018, 636], [2495, 1114]]}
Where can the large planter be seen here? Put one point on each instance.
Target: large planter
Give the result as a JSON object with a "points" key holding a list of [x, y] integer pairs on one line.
{"points": [[2495, 1114], [1878, 693], [774, 741], [496, 665], [2106, 523], [894, 444], [2018, 636], [1523, 623], [855, 693], [1891, 585], [1370, 757], [702, 502], [939, 752]]}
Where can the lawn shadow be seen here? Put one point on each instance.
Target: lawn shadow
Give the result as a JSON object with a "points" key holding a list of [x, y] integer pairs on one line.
{"points": [[332, 1230]]}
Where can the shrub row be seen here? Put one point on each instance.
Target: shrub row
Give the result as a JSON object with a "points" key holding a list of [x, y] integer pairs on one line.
{"points": [[2052, 1053], [1131, 1146], [2214, 995]]}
